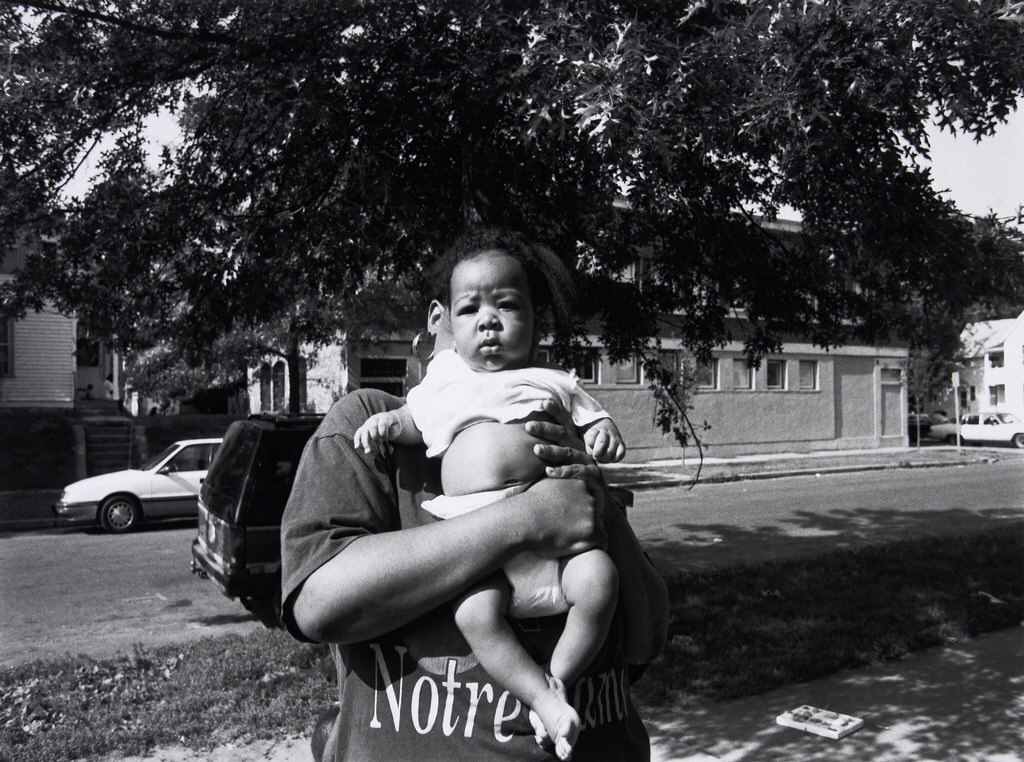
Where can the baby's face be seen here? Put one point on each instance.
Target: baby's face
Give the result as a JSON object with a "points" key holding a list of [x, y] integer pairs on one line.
{"points": [[491, 312]]}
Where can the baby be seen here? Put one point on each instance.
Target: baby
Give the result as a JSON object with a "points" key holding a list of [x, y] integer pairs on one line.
{"points": [[470, 410]]}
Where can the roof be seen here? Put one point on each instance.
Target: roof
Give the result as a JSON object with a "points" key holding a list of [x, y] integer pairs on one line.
{"points": [[985, 336]]}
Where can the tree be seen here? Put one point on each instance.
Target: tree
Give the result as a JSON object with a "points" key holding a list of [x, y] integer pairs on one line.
{"points": [[324, 148]]}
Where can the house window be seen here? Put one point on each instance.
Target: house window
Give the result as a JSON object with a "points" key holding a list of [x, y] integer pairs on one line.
{"points": [[706, 374], [742, 374], [808, 374], [277, 377], [997, 394], [586, 368], [776, 374], [6, 348], [627, 372], [995, 359], [892, 375], [266, 397], [384, 373], [974, 393]]}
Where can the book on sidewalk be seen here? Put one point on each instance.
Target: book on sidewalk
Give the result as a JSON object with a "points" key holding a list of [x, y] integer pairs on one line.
{"points": [[820, 721]]}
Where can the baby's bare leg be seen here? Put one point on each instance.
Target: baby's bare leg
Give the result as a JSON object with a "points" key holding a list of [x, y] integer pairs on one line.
{"points": [[480, 616], [590, 584]]}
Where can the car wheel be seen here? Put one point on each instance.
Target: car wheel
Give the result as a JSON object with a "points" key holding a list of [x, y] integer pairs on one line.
{"points": [[1018, 441], [120, 513], [951, 439]]}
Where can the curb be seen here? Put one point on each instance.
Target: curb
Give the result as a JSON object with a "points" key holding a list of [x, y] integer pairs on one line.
{"points": [[722, 478]]}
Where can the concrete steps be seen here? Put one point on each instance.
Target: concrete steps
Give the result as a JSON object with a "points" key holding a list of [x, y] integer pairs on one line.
{"points": [[108, 446]]}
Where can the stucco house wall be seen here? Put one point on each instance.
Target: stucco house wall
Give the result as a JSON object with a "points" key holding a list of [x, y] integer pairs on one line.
{"points": [[859, 400]]}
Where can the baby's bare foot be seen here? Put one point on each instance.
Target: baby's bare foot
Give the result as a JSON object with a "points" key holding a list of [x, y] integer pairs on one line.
{"points": [[553, 717]]}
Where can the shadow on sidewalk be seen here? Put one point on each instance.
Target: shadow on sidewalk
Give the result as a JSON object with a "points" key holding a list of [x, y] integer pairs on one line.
{"points": [[961, 703]]}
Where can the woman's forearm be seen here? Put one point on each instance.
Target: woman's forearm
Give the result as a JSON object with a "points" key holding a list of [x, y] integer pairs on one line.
{"points": [[380, 582]]}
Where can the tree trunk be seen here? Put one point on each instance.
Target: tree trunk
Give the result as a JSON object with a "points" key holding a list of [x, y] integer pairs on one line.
{"points": [[294, 378]]}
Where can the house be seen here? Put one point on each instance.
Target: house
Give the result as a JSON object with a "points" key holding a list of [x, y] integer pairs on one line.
{"points": [[992, 369], [801, 399], [47, 359]]}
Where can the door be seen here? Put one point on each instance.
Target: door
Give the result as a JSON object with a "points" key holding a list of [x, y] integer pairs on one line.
{"points": [[176, 483]]}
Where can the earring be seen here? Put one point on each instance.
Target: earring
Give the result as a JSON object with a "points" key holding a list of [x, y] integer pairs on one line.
{"points": [[423, 345]]}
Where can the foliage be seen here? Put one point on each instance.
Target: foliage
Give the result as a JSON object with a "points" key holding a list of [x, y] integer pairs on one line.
{"points": [[324, 148], [200, 695], [36, 451]]}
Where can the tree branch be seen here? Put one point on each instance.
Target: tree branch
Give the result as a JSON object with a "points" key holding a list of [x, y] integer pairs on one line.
{"points": [[103, 18]]}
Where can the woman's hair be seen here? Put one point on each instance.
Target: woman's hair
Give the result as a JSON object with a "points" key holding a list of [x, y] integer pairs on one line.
{"points": [[549, 280]]}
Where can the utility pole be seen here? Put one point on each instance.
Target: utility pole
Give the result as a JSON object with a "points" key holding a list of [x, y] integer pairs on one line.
{"points": [[956, 406]]}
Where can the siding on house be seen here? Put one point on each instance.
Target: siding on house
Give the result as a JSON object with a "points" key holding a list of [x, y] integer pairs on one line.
{"points": [[43, 363]]}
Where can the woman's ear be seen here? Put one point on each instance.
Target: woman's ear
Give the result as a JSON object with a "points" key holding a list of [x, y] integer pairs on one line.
{"points": [[439, 324]]}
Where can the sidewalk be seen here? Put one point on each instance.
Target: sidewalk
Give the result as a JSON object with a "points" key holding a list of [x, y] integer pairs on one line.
{"points": [[664, 473], [961, 703]]}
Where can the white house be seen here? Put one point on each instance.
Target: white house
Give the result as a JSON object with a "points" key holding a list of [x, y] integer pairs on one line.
{"points": [[992, 374], [47, 360]]}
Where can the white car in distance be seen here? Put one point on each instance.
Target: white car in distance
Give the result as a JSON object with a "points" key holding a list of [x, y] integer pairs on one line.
{"points": [[166, 486], [982, 428]]}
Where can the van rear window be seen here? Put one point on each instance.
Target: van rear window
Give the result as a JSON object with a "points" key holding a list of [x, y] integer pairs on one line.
{"points": [[275, 472], [226, 481]]}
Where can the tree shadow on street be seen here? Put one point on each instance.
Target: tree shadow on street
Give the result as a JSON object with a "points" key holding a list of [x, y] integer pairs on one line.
{"points": [[689, 546]]}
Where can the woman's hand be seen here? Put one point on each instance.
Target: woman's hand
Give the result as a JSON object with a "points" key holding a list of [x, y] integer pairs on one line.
{"points": [[573, 516]]}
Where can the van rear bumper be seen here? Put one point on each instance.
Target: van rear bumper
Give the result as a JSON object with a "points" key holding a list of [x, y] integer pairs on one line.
{"points": [[234, 581]]}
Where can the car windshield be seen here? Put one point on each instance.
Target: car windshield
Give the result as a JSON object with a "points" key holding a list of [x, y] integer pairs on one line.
{"points": [[1007, 418], [151, 463]]}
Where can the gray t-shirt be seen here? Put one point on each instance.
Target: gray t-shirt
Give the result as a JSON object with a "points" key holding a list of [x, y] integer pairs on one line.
{"points": [[418, 693]]}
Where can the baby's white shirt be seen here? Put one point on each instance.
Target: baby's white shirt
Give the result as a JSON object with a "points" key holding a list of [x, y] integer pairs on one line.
{"points": [[453, 396]]}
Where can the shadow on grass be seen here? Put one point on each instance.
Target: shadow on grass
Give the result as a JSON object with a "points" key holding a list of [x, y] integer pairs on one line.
{"points": [[743, 629]]}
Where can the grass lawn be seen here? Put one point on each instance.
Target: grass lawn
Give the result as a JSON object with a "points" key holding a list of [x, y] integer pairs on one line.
{"points": [[734, 632]]}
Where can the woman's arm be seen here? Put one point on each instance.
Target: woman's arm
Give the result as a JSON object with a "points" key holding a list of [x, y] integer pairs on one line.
{"points": [[381, 581]]}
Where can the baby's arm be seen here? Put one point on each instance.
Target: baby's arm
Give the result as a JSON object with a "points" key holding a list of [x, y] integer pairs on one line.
{"points": [[604, 442], [390, 426]]}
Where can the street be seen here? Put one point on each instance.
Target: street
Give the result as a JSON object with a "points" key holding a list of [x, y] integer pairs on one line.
{"points": [[83, 592], [715, 525]]}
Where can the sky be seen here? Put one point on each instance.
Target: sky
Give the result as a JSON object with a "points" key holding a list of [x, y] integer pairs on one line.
{"points": [[982, 177]]}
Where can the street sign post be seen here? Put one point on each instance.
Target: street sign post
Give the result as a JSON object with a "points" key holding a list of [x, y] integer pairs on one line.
{"points": [[956, 406]]}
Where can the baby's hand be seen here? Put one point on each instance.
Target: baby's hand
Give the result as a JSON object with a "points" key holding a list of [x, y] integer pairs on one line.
{"points": [[604, 442], [379, 428]]}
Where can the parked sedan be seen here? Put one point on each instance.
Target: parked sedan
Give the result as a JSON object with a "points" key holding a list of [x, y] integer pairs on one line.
{"points": [[983, 428], [167, 486], [918, 425]]}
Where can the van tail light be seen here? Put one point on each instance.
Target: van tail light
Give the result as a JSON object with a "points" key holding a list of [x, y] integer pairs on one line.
{"points": [[216, 537]]}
